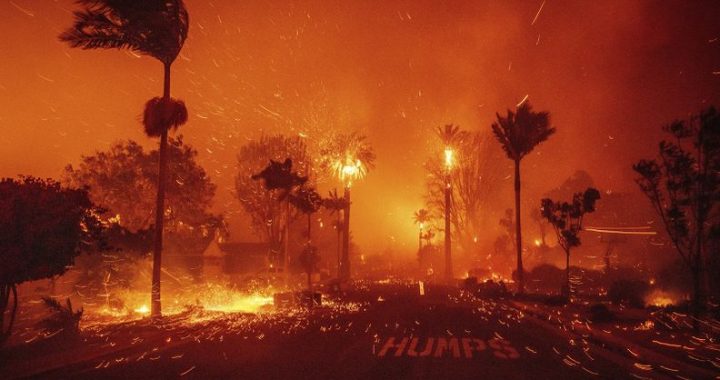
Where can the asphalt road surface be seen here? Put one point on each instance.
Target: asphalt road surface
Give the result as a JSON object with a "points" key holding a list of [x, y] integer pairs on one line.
{"points": [[378, 331]]}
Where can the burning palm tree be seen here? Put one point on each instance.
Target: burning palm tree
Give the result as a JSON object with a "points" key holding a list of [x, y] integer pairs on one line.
{"points": [[335, 204], [421, 217], [519, 133], [157, 28], [349, 157], [450, 136]]}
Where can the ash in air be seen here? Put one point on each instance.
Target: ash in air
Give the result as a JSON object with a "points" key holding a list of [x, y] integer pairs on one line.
{"points": [[398, 190]]}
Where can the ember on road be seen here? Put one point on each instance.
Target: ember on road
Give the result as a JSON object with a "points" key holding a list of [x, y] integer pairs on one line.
{"points": [[378, 330]]}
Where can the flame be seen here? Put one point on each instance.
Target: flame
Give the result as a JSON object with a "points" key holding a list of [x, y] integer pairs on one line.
{"points": [[237, 302], [449, 157], [130, 304], [349, 170], [537, 242], [660, 299], [144, 309]]}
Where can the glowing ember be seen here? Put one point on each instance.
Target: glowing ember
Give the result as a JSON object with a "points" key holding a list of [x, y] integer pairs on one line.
{"points": [[128, 304], [251, 303]]}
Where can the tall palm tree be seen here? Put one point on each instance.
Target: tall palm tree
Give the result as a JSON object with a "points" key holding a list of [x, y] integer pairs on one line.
{"points": [[349, 157], [156, 28], [519, 133], [450, 136], [335, 204], [421, 217]]}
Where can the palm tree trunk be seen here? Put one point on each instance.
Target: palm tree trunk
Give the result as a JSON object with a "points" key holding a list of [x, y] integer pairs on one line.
{"points": [[156, 309], [518, 231], [337, 249], [448, 233], [309, 233], [345, 262], [286, 245], [567, 274]]}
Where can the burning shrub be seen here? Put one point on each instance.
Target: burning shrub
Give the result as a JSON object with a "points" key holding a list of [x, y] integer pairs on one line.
{"points": [[629, 292], [661, 299]]}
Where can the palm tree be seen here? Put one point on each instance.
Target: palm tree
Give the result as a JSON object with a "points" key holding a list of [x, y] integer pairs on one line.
{"points": [[421, 217], [450, 136], [335, 204], [519, 133], [157, 28], [349, 157]]}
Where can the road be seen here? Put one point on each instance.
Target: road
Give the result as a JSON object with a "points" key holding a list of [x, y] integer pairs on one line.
{"points": [[378, 331]]}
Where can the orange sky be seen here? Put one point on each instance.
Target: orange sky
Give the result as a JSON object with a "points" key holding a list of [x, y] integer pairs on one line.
{"points": [[609, 72]]}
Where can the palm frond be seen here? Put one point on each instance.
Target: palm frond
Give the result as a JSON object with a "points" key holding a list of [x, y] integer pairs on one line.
{"points": [[521, 131], [53, 304], [449, 134], [157, 28], [162, 114]]}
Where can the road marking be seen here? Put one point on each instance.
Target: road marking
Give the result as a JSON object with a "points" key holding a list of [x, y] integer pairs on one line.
{"points": [[452, 347]]}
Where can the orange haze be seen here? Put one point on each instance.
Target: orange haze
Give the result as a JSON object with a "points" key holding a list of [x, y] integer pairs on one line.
{"points": [[610, 73]]}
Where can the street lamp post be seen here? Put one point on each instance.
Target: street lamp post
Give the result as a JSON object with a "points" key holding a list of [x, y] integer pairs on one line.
{"points": [[448, 238]]}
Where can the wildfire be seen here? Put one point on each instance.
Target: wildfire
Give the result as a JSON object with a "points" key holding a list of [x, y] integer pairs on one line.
{"points": [[494, 277], [129, 304], [448, 157], [349, 170], [233, 303], [660, 299], [144, 309]]}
